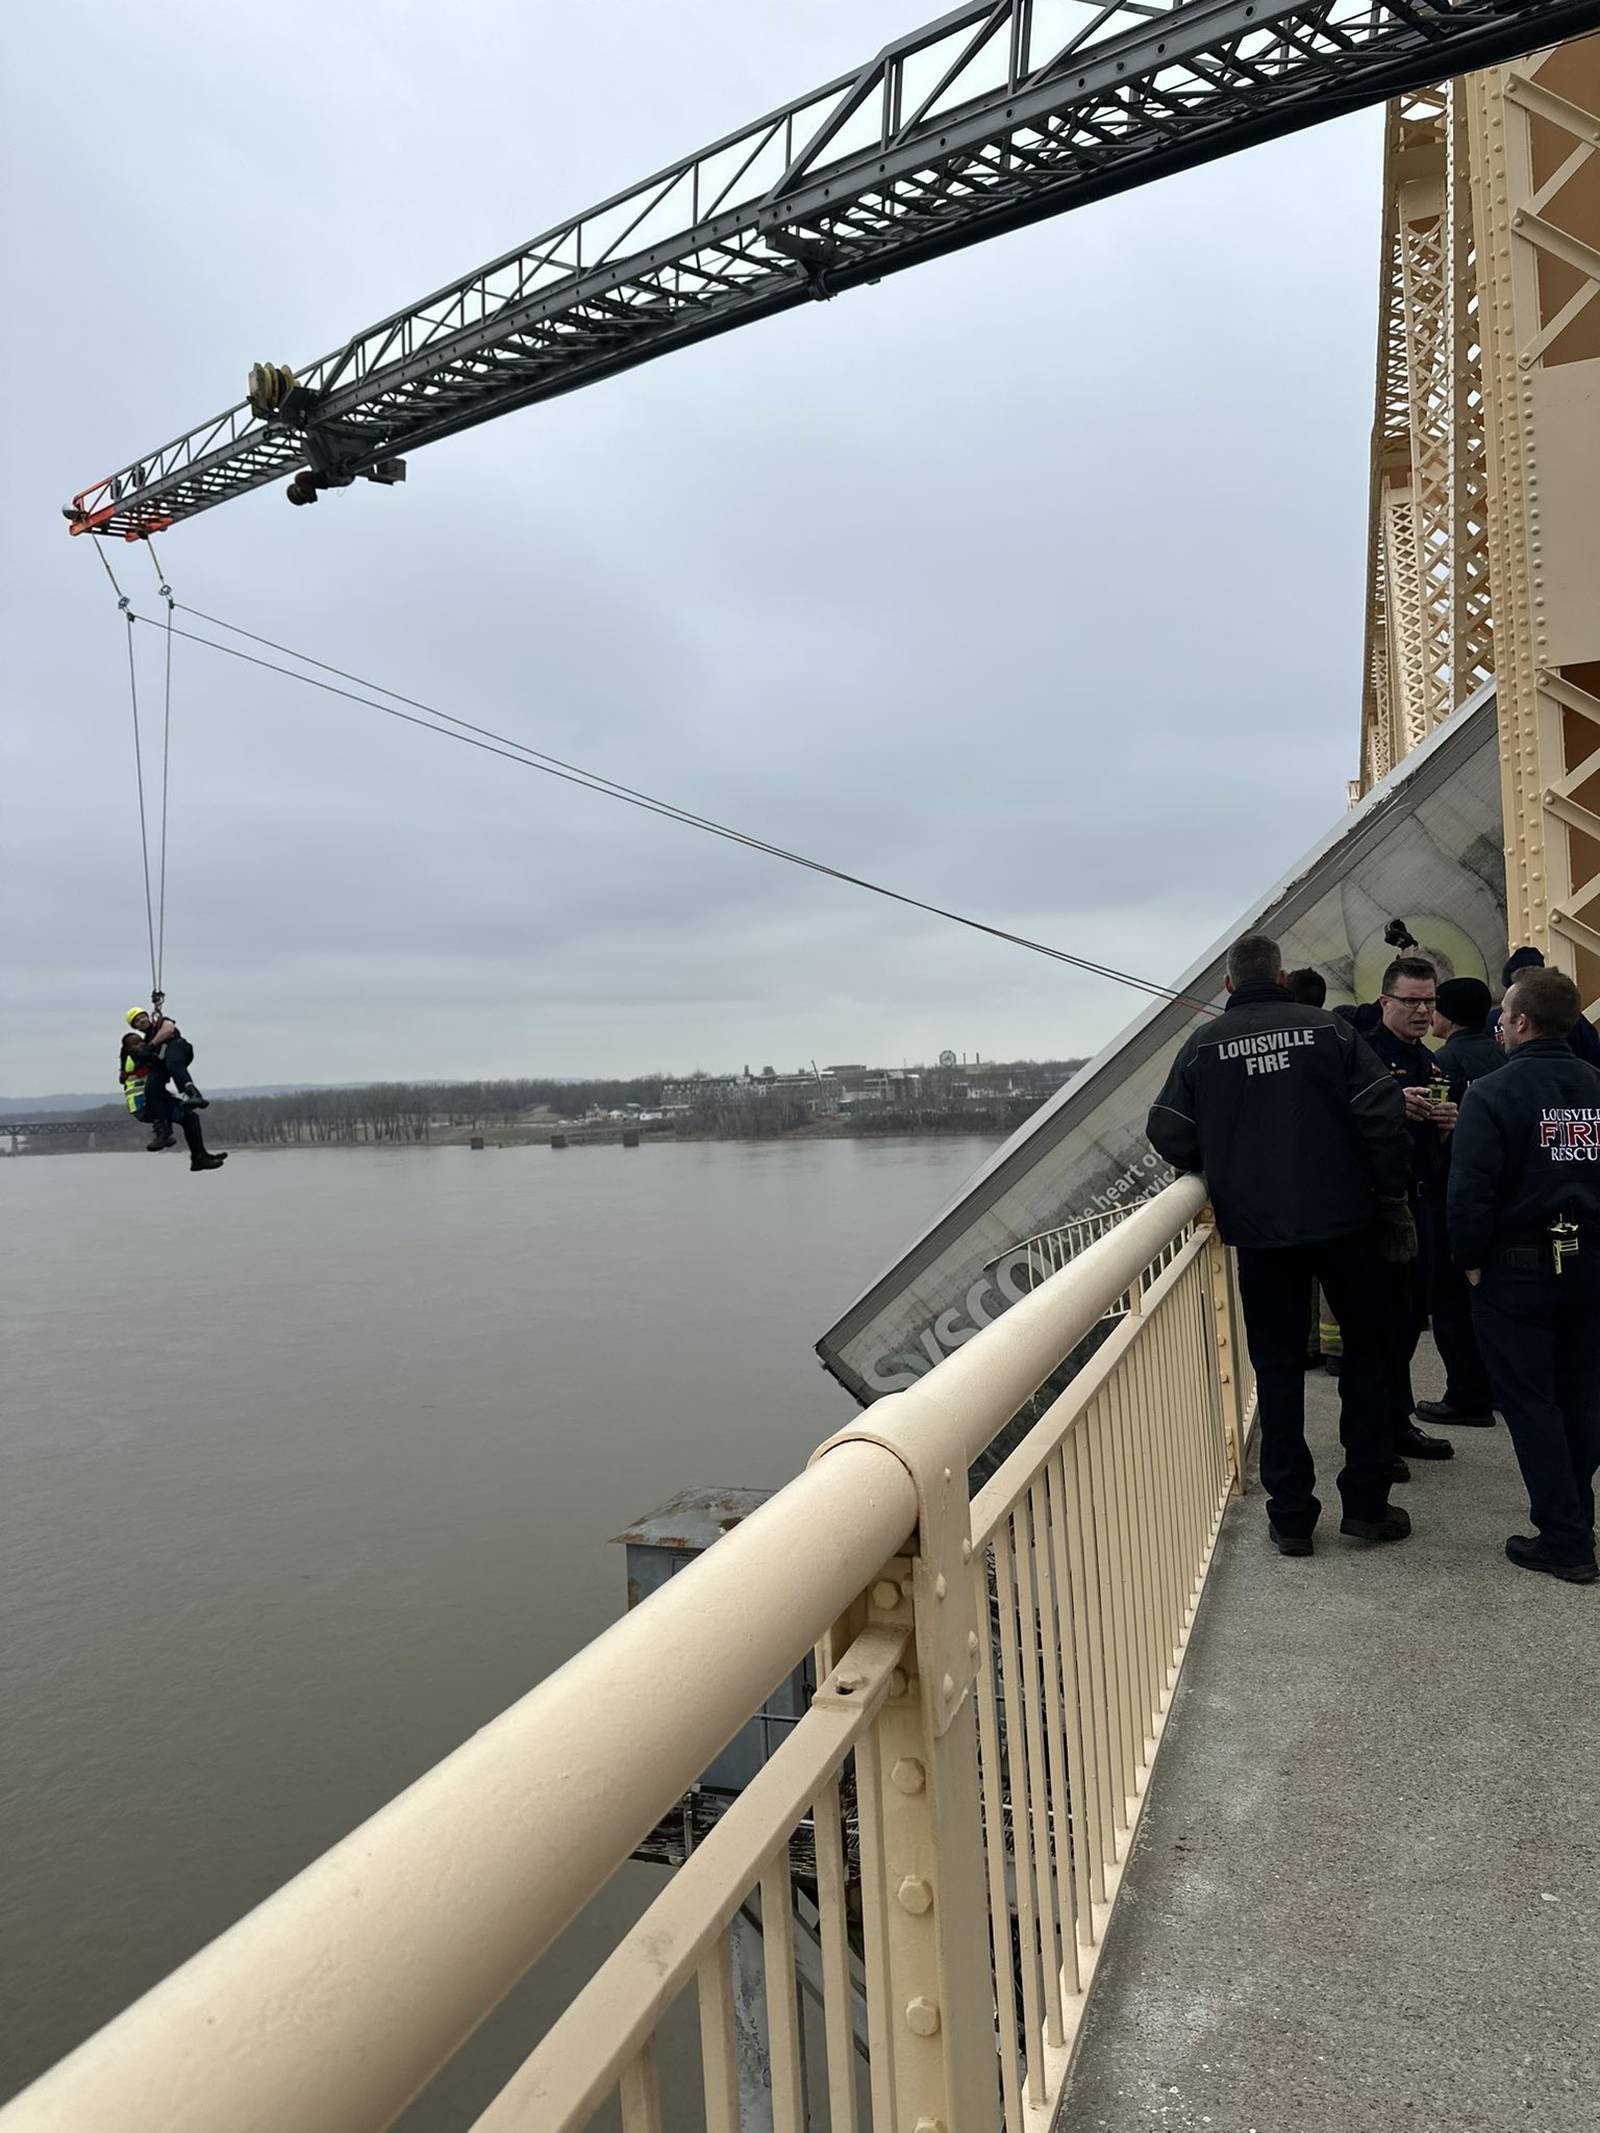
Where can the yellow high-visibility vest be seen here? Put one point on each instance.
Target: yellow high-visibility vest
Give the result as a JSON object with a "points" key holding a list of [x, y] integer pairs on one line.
{"points": [[134, 1073]]}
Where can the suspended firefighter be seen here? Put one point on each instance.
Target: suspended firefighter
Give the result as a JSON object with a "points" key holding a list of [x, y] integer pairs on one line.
{"points": [[154, 1069]]}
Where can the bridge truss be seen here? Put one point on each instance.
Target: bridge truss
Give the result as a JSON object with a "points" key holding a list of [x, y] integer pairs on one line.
{"points": [[1485, 526]]}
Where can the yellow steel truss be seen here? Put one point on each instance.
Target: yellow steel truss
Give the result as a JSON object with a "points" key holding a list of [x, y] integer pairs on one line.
{"points": [[1484, 542]]}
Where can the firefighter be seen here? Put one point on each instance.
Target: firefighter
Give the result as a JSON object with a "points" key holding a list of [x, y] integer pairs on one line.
{"points": [[1466, 1052], [1406, 1007], [1301, 1136], [1524, 1215], [146, 1086]]}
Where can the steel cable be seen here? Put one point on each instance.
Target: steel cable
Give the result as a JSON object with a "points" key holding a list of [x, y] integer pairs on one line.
{"points": [[126, 609], [490, 742]]}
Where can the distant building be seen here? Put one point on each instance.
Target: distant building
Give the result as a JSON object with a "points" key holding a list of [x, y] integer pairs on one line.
{"points": [[679, 1098]]}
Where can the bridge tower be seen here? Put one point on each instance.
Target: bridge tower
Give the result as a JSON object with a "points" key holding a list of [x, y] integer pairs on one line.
{"points": [[1484, 544]]}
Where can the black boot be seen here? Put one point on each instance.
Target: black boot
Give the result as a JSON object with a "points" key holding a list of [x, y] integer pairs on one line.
{"points": [[1395, 1525], [1448, 1417], [164, 1139], [208, 1162], [1414, 1443], [193, 1097], [189, 1125], [1529, 1553]]}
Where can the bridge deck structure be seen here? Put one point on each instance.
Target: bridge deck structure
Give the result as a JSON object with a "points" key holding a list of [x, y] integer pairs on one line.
{"points": [[1365, 1890]]}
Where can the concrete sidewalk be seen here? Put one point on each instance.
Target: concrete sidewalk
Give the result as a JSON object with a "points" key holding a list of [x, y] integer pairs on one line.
{"points": [[1365, 1891]]}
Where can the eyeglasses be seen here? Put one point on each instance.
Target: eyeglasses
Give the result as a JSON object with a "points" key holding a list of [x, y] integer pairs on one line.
{"points": [[1401, 999]]}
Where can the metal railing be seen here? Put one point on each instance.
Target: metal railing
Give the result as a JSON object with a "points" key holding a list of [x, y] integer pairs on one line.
{"points": [[994, 1675], [1048, 1251]]}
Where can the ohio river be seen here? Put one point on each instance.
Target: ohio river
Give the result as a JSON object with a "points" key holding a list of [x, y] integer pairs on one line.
{"points": [[308, 1469]]}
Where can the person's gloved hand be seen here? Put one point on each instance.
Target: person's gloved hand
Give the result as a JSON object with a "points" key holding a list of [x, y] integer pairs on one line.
{"points": [[1398, 1230]]}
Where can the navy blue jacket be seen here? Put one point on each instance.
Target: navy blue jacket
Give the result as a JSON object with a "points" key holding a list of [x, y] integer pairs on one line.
{"points": [[1413, 1066], [1363, 1019], [1526, 1152], [1295, 1124], [1466, 1055]]}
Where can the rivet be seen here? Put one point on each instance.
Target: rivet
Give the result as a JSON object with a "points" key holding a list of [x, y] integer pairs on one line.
{"points": [[948, 1475], [849, 1680], [915, 1895], [972, 1640], [886, 1594], [922, 2016], [908, 1775], [928, 2125], [898, 1682], [949, 1687], [940, 1588], [966, 1551]]}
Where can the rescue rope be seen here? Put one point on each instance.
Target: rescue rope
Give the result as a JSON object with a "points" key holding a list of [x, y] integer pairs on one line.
{"points": [[165, 590], [155, 903], [125, 608], [489, 742]]}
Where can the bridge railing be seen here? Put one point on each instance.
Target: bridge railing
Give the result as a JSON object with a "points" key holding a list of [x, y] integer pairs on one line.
{"points": [[941, 1836], [1036, 1258]]}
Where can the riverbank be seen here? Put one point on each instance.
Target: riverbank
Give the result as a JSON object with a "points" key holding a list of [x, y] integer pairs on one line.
{"points": [[116, 1134]]}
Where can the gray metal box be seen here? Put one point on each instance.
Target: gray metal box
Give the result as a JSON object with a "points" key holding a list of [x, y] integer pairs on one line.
{"points": [[658, 1546]]}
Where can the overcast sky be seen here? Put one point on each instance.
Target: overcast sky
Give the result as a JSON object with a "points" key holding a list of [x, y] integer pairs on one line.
{"points": [[1029, 581]]}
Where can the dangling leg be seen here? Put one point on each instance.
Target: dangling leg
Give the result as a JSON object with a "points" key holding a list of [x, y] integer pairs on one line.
{"points": [[200, 1157], [180, 1064], [156, 1112]]}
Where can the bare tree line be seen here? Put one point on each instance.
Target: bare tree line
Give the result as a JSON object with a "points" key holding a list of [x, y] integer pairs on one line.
{"points": [[399, 1114]]}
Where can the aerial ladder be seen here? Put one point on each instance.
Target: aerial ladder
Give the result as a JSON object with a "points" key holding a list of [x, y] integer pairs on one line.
{"points": [[1484, 554]]}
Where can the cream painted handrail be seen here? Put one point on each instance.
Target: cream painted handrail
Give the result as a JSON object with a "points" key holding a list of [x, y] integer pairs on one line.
{"points": [[994, 1676]]}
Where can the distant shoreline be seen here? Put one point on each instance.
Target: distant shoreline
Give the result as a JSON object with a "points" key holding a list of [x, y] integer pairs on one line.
{"points": [[112, 1136]]}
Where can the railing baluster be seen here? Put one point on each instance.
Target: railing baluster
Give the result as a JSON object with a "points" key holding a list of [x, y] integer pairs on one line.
{"points": [[1102, 1504], [1116, 1564], [1185, 1418], [1195, 1415], [992, 1780], [718, 2055], [1132, 1406], [1209, 1361], [833, 1932], [1171, 1538], [1198, 1368], [1184, 1511], [1017, 1792], [1056, 1677], [1178, 1504], [875, 1930], [1146, 1559], [1080, 1782], [641, 2092], [783, 2011], [1086, 1591], [1031, 1649], [1137, 1406]]}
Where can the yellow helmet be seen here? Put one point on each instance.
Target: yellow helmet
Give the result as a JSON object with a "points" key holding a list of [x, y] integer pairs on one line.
{"points": [[133, 1015]]}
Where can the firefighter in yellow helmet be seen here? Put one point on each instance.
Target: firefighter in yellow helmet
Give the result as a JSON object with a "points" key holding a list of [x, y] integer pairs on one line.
{"points": [[147, 1071]]}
